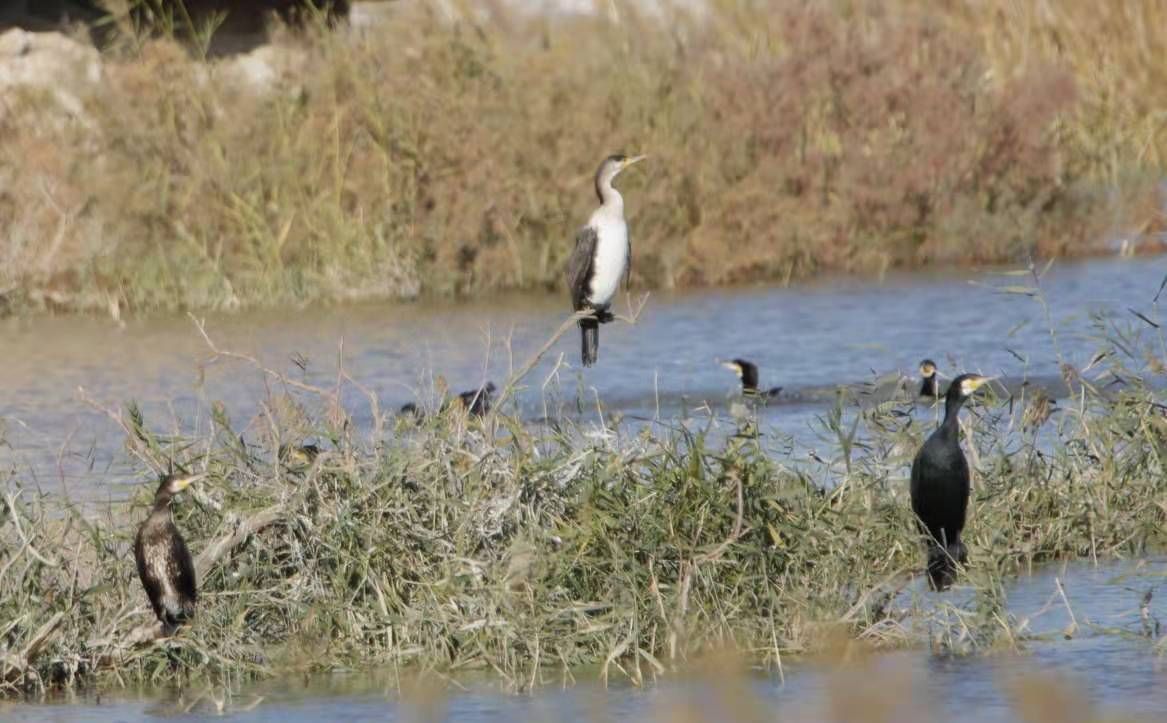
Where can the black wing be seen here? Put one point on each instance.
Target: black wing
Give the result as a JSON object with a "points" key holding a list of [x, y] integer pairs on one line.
{"points": [[628, 265], [152, 585], [183, 570], [579, 266]]}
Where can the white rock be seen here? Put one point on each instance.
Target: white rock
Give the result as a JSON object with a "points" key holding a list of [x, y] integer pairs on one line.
{"points": [[53, 62]]}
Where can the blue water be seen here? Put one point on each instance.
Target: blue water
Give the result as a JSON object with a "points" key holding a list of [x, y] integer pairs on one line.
{"points": [[810, 339]]}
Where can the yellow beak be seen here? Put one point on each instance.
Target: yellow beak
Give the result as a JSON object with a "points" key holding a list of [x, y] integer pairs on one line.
{"points": [[732, 367], [187, 480], [978, 382], [635, 159]]}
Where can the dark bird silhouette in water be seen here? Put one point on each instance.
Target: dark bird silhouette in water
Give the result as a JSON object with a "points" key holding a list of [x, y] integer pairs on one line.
{"points": [[602, 257], [748, 373], [475, 402], [930, 384], [940, 486], [164, 562]]}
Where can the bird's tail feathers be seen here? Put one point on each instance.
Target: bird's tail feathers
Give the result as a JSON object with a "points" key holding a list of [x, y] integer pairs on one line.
{"points": [[590, 331]]}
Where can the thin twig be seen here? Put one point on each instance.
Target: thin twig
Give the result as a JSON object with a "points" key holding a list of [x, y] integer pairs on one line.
{"points": [[566, 326]]}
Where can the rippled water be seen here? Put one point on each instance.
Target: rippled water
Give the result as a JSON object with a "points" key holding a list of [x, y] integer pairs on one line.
{"points": [[810, 339], [807, 338]]}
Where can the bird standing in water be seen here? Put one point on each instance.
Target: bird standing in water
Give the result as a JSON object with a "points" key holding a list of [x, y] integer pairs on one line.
{"points": [[940, 486], [164, 562], [748, 373], [930, 387], [602, 256]]}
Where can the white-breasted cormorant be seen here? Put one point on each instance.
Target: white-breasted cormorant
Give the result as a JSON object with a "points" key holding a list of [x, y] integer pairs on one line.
{"points": [[164, 562], [748, 373], [602, 256], [940, 486], [930, 387]]}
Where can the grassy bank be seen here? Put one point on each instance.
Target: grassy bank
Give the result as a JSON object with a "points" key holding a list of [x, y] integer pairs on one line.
{"points": [[455, 158], [529, 550]]}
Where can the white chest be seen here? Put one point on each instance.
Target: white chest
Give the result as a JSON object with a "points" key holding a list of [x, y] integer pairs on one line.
{"points": [[612, 252]]}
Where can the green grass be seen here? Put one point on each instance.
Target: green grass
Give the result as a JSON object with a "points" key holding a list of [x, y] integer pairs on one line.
{"points": [[454, 158], [530, 550]]}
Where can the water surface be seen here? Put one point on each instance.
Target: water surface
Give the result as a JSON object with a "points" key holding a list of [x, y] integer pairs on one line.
{"points": [[808, 338]]}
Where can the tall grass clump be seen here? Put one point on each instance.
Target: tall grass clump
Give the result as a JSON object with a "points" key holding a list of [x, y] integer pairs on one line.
{"points": [[453, 156], [528, 550]]}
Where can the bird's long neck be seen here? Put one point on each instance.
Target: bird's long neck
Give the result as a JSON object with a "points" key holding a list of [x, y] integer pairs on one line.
{"points": [[951, 423], [161, 506], [749, 380], [609, 197], [928, 389]]}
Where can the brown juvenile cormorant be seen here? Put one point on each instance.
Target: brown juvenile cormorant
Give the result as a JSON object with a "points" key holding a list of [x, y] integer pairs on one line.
{"points": [[602, 256], [940, 486], [930, 388], [748, 373], [164, 563]]}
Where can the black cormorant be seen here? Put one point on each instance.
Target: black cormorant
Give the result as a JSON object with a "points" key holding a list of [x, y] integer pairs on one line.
{"points": [[748, 373], [164, 563], [930, 387], [940, 486], [602, 256], [477, 402]]}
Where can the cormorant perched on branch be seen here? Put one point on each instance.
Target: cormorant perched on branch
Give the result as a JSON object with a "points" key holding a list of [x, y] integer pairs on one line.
{"points": [[602, 256], [930, 387], [164, 563], [940, 486], [748, 373]]}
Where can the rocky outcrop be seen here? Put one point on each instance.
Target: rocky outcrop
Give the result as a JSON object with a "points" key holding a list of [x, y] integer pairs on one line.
{"points": [[55, 64]]}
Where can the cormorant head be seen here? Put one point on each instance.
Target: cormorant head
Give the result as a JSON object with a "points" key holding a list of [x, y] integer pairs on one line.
{"points": [[927, 369], [965, 385], [173, 483], [610, 168], [746, 371]]}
